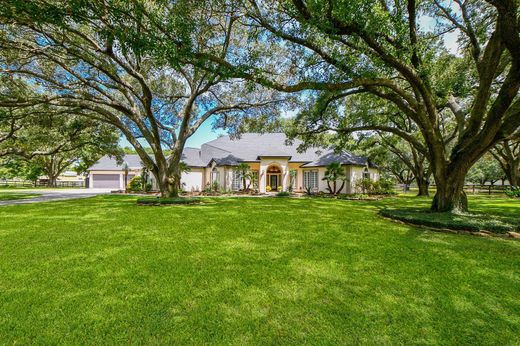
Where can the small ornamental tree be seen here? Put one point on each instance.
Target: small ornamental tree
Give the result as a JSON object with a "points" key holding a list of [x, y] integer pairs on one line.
{"points": [[335, 173], [244, 173]]}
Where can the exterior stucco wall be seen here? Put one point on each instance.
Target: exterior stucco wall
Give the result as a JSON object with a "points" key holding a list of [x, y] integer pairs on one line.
{"points": [[298, 186], [265, 162], [356, 173], [193, 180], [225, 181]]}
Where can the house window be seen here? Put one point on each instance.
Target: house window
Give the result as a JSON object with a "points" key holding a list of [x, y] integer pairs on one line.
{"points": [[237, 181], [366, 174], [310, 180]]}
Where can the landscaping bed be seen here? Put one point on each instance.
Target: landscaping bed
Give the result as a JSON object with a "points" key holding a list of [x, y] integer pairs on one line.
{"points": [[468, 222], [167, 201]]}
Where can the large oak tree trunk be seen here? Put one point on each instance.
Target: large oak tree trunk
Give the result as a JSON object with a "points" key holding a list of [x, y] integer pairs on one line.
{"points": [[169, 186], [513, 174], [450, 195], [52, 181], [423, 184]]}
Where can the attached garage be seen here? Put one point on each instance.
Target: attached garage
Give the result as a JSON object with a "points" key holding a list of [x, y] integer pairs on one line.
{"points": [[105, 181], [192, 181]]}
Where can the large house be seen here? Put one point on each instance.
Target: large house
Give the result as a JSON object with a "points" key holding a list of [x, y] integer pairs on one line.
{"points": [[276, 164]]}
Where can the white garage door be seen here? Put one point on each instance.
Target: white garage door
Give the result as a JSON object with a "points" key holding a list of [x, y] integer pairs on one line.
{"points": [[105, 181], [192, 181]]}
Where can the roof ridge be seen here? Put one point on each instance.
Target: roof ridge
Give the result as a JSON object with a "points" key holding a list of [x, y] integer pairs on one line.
{"points": [[210, 145]]}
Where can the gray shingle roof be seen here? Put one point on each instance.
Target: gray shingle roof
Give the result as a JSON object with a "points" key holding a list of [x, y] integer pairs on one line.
{"points": [[110, 164], [344, 157], [249, 147], [192, 157], [252, 145]]}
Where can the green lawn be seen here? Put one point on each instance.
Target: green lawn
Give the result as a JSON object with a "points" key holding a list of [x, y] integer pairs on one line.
{"points": [[9, 196], [251, 271]]}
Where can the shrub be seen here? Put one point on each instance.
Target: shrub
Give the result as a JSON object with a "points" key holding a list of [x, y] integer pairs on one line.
{"points": [[380, 187], [279, 188], [513, 191], [135, 184], [268, 188], [167, 201], [308, 191], [386, 186], [283, 194], [366, 185]]}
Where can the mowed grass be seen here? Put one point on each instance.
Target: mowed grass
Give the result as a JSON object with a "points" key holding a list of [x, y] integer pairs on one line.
{"points": [[10, 196], [250, 271]]}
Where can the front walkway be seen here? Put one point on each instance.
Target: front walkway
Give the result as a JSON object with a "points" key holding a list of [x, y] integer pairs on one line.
{"points": [[47, 195]]}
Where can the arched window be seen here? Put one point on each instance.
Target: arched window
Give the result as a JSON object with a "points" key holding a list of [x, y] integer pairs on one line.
{"points": [[366, 173]]}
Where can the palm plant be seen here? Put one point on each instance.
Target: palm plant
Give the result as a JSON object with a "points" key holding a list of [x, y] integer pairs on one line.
{"points": [[183, 168], [244, 172], [334, 173]]}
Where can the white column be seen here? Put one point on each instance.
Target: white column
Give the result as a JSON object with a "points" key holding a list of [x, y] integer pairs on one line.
{"points": [[261, 179]]}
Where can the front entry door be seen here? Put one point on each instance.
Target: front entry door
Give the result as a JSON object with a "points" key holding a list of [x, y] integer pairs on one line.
{"points": [[273, 182]]}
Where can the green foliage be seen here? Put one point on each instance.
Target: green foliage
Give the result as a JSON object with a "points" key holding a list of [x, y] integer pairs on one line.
{"points": [[135, 184], [379, 187], [386, 186], [16, 167], [487, 169], [513, 191], [167, 201], [283, 194], [335, 173], [244, 173], [365, 185]]}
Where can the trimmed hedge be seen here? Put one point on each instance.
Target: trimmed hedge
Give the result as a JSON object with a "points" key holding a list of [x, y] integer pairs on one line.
{"points": [[451, 221], [167, 201]]}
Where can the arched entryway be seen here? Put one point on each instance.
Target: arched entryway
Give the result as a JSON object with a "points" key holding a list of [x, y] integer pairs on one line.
{"points": [[274, 177]]}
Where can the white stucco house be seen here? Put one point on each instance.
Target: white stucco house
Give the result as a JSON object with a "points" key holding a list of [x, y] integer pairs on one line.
{"points": [[268, 155]]}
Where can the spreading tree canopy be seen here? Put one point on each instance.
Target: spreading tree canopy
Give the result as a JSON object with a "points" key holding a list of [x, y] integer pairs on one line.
{"points": [[335, 49], [118, 62]]}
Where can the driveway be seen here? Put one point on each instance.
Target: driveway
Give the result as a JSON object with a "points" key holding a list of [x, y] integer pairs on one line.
{"points": [[47, 195]]}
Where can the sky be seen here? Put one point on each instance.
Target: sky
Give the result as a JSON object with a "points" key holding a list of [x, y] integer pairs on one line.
{"points": [[204, 134]]}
